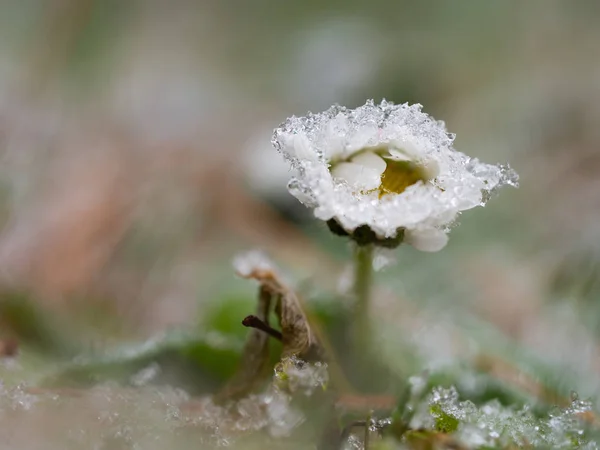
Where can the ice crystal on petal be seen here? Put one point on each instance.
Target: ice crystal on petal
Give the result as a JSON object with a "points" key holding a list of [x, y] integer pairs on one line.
{"points": [[338, 156]]}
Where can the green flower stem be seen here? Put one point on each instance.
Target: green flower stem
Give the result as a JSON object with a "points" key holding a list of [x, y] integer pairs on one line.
{"points": [[363, 279]]}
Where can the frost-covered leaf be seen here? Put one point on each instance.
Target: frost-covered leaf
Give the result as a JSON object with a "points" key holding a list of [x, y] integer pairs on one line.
{"points": [[493, 425], [186, 359]]}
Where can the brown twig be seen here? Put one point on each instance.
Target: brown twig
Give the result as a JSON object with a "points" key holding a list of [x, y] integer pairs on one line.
{"points": [[254, 322]]}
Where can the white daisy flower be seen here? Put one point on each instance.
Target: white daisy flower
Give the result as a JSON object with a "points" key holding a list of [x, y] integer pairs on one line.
{"points": [[384, 174]]}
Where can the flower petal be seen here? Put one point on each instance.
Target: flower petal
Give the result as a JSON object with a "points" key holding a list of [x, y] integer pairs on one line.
{"points": [[431, 168], [397, 155], [299, 146], [406, 147], [426, 240], [357, 175], [370, 160], [334, 138]]}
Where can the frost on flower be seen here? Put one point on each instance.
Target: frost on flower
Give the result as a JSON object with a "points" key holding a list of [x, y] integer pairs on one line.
{"points": [[384, 173]]}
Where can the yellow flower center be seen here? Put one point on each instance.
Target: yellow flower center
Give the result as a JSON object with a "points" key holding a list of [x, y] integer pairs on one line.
{"points": [[379, 170], [399, 175]]}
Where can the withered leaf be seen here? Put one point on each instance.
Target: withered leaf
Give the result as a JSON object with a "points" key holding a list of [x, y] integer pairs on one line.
{"points": [[297, 337]]}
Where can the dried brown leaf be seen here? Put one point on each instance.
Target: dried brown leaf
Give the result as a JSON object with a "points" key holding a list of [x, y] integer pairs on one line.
{"points": [[297, 335]]}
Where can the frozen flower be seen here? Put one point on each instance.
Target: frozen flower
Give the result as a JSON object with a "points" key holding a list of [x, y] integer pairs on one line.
{"points": [[384, 174]]}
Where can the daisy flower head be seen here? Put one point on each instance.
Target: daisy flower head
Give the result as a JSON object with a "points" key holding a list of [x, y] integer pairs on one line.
{"points": [[384, 174]]}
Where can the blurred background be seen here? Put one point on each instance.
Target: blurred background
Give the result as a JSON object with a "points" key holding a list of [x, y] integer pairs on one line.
{"points": [[136, 162]]}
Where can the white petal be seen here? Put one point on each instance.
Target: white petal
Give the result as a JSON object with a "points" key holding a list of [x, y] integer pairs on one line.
{"points": [[299, 146], [397, 155], [407, 147], [370, 160], [432, 168], [334, 139], [357, 175], [363, 137], [303, 197], [427, 240]]}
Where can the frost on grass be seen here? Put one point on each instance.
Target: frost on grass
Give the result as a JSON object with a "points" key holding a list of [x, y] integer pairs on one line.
{"points": [[112, 417], [109, 416], [102, 417], [495, 425], [391, 169]]}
